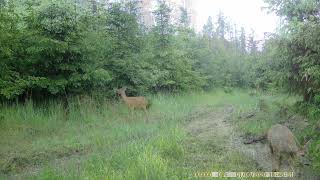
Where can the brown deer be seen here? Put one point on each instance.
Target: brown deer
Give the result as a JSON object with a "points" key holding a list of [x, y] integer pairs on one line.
{"points": [[134, 102], [282, 141]]}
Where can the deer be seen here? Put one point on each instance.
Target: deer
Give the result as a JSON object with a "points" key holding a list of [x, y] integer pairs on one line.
{"points": [[134, 102], [281, 141]]}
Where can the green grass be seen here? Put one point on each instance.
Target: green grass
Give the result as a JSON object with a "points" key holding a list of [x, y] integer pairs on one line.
{"points": [[265, 116], [102, 141]]}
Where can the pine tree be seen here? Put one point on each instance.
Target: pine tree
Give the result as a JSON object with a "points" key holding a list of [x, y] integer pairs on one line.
{"points": [[243, 45], [184, 20], [236, 38], [208, 28], [252, 44], [123, 27], [221, 26], [163, 28]]}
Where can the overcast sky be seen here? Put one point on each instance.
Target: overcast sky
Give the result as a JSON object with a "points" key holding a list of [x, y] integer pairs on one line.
{"points": [[246, 13]]}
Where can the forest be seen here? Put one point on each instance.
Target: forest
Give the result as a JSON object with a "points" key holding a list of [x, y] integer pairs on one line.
{"points": [[61, 63]]}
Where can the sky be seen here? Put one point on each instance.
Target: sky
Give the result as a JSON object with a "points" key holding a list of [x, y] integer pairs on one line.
{"points": [[246, 13]]}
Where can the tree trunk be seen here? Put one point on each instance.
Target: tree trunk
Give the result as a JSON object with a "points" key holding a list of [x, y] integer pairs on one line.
{"points": [[308, 95]]}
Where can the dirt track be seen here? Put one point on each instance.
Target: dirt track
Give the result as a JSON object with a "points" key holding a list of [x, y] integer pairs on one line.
{"points": [[212, 127]]}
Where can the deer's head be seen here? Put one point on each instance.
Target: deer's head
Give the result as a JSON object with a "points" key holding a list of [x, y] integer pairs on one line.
{"points": [[301, 154], [121, 91]]}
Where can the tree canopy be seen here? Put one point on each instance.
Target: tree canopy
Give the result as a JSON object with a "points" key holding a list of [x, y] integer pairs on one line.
{"points": [[70, 47]]}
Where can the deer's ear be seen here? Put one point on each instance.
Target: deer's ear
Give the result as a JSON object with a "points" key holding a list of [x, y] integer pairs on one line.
{"points": [[124, 88]]}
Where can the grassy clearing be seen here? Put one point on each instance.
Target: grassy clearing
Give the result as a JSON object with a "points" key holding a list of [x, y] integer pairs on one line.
{"points": [[266, 111], [102, 141]]}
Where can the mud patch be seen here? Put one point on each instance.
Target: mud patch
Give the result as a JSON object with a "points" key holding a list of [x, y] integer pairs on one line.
{"points": [[211, 141], [259, 152], [17, 163], [212, 134], [210, 124]]}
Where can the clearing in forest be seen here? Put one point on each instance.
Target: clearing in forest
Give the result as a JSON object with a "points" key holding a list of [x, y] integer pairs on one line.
{"points": [[187, 133]]}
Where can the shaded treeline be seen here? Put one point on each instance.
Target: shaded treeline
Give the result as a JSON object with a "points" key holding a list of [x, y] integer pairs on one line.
{"points": [[73, 47]]}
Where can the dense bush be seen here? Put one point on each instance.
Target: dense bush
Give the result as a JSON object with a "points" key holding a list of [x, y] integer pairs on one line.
{"points": [[64, 47], [294, 60]]}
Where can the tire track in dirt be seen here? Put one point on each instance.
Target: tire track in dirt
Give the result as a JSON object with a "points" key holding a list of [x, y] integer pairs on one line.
{"points": [[211, 128]]}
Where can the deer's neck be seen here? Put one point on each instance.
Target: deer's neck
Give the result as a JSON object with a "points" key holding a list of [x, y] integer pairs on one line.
{"points": [[124, 96]]}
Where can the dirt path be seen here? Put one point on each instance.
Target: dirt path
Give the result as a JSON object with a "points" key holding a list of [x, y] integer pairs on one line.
{"points": [[213, 142]]}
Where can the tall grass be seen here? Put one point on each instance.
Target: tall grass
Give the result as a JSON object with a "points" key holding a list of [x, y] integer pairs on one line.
{"points": [[100, 140], [265, 110]]}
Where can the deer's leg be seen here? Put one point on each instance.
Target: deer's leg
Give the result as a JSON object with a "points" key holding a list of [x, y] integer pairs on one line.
{"points": [[146, 112], [271, 149], [132, 109], [292, 159], [276, 158]]}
